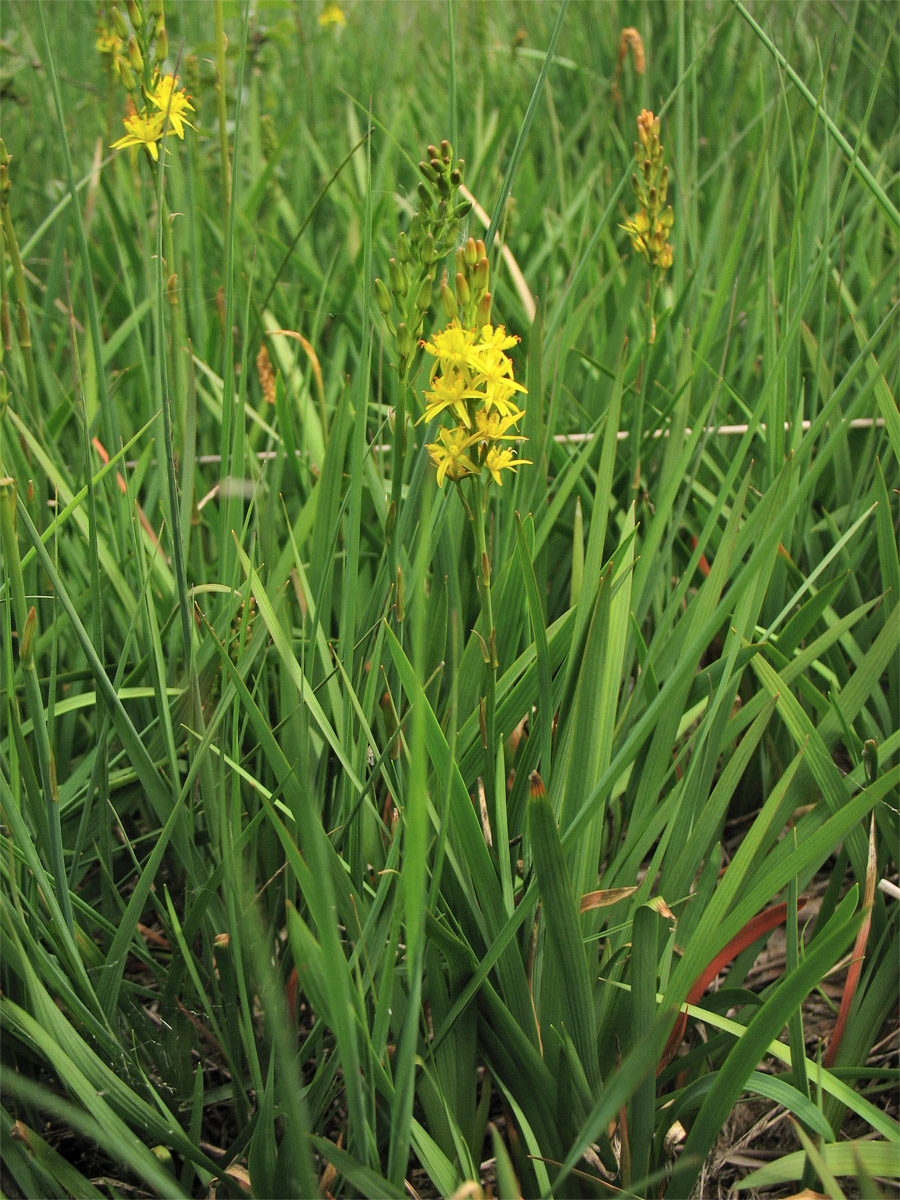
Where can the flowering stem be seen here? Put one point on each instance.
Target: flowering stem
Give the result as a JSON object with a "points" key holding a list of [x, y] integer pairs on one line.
{"points": [[488, 643], [638, 422], [397, 456]]}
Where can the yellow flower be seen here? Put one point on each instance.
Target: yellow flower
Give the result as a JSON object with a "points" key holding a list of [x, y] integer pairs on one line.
{"points": [[332, 14], [108, 42], [449, 454], [172, 102], [492, 426], [450, 391], [453, 347], [498, 460], [142, 130]]}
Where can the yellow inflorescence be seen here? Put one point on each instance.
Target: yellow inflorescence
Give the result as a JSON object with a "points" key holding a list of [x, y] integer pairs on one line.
{"points": [[332, 14], [167, 101], [472, 379], [652, 223]]}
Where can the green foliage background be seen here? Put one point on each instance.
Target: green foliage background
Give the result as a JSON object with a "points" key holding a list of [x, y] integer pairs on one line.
{"points": [[234, 749]]}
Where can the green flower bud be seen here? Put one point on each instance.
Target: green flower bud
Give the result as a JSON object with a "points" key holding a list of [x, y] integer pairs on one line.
{"points": [[483, 312], [429, 253], [471, 252], [399, 278], [456, 176], [134, 55], [462, 209], [461, 261], [482, 277], [423, 297], [121, 24], [446, 150], [135, 14], [463, 295], [162, 46], [433, 151], [125, 74], [156, 7], [404, 340], [449, 302], [429, 170], [426, 199], [403, 248], [383, 296]]}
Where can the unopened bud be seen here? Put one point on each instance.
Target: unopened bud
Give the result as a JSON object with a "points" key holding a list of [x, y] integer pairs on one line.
{"points": [[471, 252], [429, 251], [134, 55], [429, 170], [423, 297], [135, 14], [426, 199], [156, 7], [404, 340], [449, 302], [383, 296], [482, 275], [456, 177], [483, 312], [399, 278], [125, 73], [463, 295], [162, 45], [120, 23], [446, 150], [403, 248]]}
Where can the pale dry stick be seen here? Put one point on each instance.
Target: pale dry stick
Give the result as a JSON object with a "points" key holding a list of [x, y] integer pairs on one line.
{"points": [[207, 460]]}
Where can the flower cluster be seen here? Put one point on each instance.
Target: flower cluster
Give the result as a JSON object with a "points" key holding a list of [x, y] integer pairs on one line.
{"points": [[652, 223], [135, 55], [166, 101], [472, 379]]}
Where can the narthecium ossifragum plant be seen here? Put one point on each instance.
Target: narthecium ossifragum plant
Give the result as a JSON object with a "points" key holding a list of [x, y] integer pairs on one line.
{"points": [[135, 56], [652, 223]]}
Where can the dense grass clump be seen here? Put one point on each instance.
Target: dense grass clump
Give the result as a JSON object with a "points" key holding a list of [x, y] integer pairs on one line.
{"points": [[449, 598]]}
